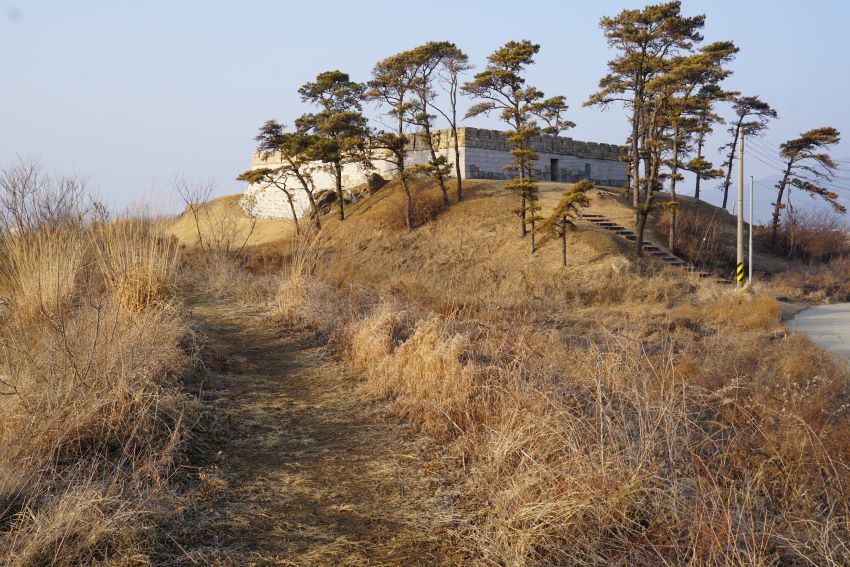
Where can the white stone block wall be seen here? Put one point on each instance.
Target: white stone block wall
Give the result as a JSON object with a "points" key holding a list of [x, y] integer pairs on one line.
{"points": [[483, 155], [269, 202]]}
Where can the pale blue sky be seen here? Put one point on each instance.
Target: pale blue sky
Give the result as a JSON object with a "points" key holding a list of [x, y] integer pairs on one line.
{"points": [[134, 93]]}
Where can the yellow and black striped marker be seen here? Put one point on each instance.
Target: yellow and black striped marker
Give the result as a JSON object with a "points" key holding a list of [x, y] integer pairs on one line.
{"points": [[739, 273]]}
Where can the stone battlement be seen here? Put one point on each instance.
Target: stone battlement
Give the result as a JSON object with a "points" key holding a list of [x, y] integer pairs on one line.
{"points": [[483, 155], [497, 140]]}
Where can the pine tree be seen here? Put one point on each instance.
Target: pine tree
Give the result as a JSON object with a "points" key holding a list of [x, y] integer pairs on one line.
{"points": [[454, 64], [686, 75], [753, 115], [501, 88], [295, 151], [339, 126], [562, 218], [427, 59], [392, 86], [808, 168], [645, 40], [700, 127]]}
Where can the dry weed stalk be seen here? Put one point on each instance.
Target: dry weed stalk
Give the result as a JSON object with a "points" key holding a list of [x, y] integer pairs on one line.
{"points": [[89, 415]]}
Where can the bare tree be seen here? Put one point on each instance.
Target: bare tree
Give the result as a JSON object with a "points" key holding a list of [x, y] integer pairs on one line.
{"points": [[29, 198], [455, 63], [218, 234]]}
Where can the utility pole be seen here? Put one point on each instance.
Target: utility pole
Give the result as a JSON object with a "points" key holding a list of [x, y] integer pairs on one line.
{"points": [[739, 267], [750, 259]]}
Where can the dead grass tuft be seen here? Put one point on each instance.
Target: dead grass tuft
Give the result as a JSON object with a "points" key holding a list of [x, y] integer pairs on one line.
{"points": [[91, 340], [637, 416]]}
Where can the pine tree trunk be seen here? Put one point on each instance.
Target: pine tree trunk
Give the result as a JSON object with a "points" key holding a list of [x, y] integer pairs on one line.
{"points": [[674, 170], [522, 202], [457, 165], [294, 214], [728, 182], [671, 236], [313, 207], [339, 196], [640, 229], [777, 206], [408, 205], [700, 144], [433, 152], [635, 164], [532, 236], [315, 210], [408, 212], [644, 210], [564, 246]]}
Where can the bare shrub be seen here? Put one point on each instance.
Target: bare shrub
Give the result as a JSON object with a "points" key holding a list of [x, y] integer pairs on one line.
{"points": [[815, 236], [90, 340], [608, 453], [699, 239], [31, 199], [218, 230], [819, 282]]}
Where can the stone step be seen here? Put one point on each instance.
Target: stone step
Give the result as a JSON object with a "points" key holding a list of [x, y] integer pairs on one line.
{"points": [[652, 249]]}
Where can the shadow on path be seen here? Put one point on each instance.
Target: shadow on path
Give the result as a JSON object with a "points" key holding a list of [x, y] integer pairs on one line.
{"points": [[290, 466]]}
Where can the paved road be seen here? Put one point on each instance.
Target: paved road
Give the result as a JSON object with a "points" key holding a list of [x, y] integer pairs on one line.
{"points": [[827, 325]]}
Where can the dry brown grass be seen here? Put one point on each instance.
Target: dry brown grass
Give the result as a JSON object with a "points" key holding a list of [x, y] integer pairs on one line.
{"points": [[637, 416], [90, 417], [224, 222], [38, 270], [623, 451], [818, 282], [642, 417]]}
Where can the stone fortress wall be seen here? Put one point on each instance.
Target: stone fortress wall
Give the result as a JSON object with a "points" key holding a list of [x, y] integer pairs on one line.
{"points": [[483, 155], [269, 202]]}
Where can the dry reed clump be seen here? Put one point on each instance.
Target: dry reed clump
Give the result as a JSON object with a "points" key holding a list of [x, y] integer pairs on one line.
{"points": [[90, 417], [136, 261], [616, 452], [293, 299], [730, 310], [39, 269]]}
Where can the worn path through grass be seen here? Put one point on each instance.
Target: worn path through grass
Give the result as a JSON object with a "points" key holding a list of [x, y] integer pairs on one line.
{"points": [[290, 465]]}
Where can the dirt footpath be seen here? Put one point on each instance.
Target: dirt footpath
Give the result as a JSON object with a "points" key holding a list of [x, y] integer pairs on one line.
{"points": [[291, 466]]}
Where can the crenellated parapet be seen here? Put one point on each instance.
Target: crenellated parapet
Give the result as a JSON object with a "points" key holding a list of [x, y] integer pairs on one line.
{"points": [[497, 140], [484, 154]]}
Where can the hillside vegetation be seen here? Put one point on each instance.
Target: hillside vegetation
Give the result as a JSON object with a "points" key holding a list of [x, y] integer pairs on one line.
{"points": [[614, 411], [91, 414]]}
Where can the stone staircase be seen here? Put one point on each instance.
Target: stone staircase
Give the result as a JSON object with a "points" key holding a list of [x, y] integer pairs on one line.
{"points": [[649, 248]]}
